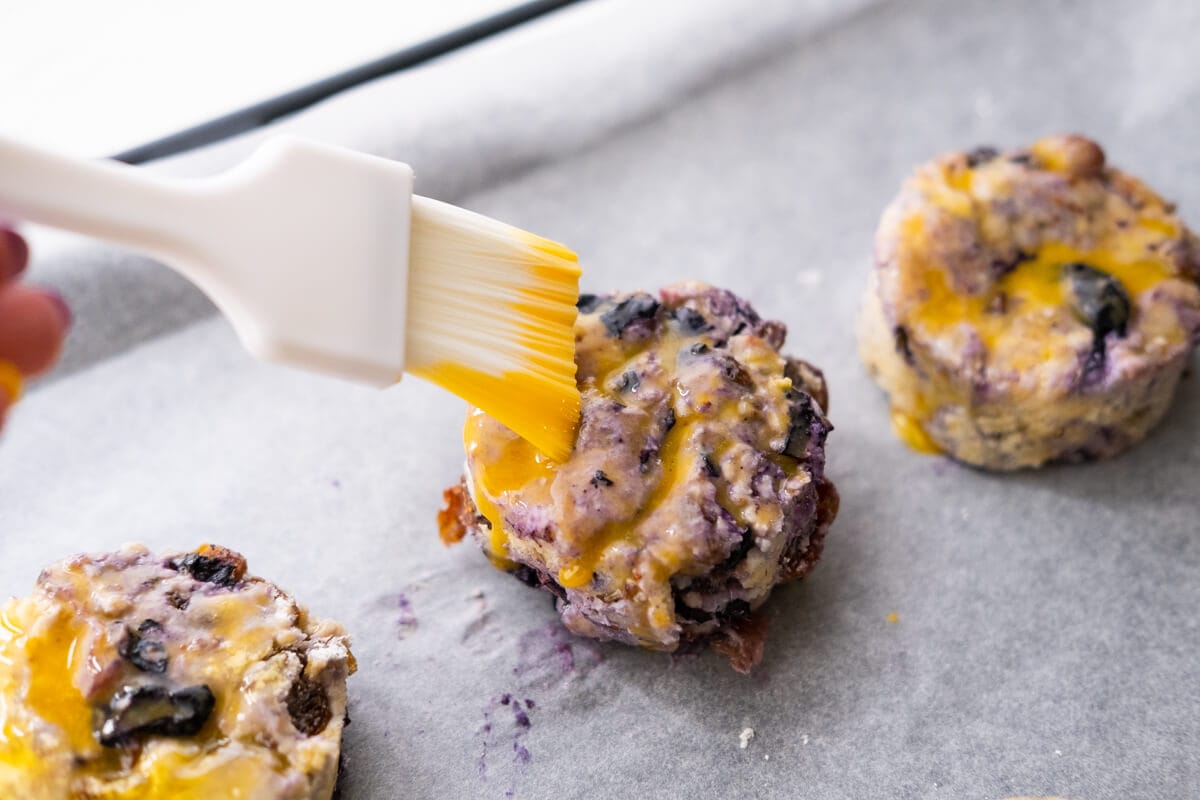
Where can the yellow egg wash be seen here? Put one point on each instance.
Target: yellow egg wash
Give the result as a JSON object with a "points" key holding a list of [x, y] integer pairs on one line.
{"points": [[523, 318], [545, 411], [502, 464], [499, 462], [44, 653], [43, 659], [909, 430], [512, 464], [1021, 318], [499, 465], [677, 462]]}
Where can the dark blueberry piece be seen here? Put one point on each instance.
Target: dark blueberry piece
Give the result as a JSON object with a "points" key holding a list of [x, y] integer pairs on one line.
{"points": [[505, 699], [644, 458], [211, 564], [735, 557], [900, 336], [629, 382], [1021, 158], [712, 469], [697, 349], [669, 421], [520, 717], [538, 580], [527, 576], [207, 570], [734, 610], [802, 417], [588, 303], [685, 612], [153, 711], [1098, 300], [600, 479], [628, 311], [144, 652], [308, 706], [1001, 267], [734, 372], [691, 322], [981, 155]]}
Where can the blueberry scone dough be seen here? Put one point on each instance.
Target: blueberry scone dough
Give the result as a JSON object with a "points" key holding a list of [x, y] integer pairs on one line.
{"points": [[1030, 306], [696, 484], [130, 675]]}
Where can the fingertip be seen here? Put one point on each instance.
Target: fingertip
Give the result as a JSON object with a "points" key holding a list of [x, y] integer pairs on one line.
{"points": [[60, 306], [14, 254], [32, 328]]}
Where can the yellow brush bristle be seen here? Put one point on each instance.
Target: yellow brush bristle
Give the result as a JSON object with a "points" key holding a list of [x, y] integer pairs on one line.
{"points": [[491, 318]]}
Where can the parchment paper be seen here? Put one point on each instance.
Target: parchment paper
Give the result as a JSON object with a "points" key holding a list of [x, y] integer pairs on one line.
{"points": [[1046, 631]]}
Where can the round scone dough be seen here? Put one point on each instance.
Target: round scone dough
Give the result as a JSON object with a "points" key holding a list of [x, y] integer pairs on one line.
{"points": [[1030, 306], [696, 484], [129, 675]]}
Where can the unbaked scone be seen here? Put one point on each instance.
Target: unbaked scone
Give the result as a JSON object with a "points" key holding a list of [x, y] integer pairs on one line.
{"points": [[1029, 307], [695, 487], [129, 675]]}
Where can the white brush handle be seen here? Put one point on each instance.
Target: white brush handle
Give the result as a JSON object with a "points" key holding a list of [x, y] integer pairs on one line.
{"points": [[303, 246], [106, 200]]}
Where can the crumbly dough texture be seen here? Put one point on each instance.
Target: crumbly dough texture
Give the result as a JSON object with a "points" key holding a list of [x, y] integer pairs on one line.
{"points": [[131, 675], [1030, 306], [696, 484]]}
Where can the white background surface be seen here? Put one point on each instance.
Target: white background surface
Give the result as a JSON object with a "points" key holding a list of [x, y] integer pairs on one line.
{"points": [[96, 78]]}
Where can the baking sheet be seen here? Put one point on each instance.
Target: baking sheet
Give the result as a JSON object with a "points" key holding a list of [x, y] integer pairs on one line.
{"points": [[1045, 635]]}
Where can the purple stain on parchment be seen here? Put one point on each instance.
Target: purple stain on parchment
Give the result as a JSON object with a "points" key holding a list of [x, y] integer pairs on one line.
{"points": [[494, 731], [549, 655], [406, 618], [335, 483], [399, 609]]}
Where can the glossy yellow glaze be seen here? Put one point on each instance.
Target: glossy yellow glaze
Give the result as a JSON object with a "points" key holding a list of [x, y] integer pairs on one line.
{"points": [[1018, 318], [534, 393], [909, 430], [513, 464], [500, 465], [54, 656], [541, 409], [678, 461], [197, 775], [1031, 289], [628, 554], [45, 654]]}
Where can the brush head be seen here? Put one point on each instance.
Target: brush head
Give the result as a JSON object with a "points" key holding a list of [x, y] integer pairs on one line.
{"points": [[491, 318]]}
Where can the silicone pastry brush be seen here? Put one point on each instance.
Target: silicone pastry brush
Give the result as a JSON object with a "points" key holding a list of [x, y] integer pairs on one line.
{"points": [[322, 258]]}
